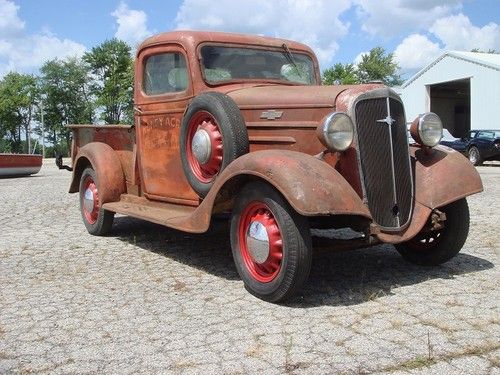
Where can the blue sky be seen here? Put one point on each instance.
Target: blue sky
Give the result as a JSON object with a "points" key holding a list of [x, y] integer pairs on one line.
{"points": [[417, 31]]}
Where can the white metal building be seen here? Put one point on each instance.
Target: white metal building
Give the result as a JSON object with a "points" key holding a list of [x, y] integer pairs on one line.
{"points": [[463, 88]]}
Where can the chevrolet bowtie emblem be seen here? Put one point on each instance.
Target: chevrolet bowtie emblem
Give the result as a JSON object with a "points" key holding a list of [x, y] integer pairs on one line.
{"points": [[271, 114], [388, 120]]}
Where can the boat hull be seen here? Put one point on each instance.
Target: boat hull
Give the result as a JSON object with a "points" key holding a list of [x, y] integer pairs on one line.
{"points": [[12, 165]]}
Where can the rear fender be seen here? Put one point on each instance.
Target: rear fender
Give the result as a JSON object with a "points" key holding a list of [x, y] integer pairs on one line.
{"points": [[106, 163], [442, 176], [311, 186]]}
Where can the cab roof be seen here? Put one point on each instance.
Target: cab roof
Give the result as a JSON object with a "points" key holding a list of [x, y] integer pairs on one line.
{"points": [[191, 39]]}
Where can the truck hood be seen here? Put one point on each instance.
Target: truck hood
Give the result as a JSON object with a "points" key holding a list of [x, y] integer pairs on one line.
{"points": [[269, 96]]}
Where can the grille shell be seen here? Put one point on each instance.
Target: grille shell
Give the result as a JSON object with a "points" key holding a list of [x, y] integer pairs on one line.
{"points": [[385, 165]]}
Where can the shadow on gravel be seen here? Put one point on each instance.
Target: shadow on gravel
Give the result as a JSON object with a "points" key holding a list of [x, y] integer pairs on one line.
{"points": [[336, 279], [209, 252], [355, 277]]}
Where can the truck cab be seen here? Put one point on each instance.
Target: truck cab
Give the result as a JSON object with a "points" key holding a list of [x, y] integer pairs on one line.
{"points": [[241, 125]]}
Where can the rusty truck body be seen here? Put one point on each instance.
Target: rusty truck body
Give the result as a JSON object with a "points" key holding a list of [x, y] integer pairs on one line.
{"points": [[240, 124]]}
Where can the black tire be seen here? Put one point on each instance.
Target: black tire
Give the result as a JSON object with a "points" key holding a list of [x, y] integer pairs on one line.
{"points": [[229, 138], [97, 220], [272, 279], [437, 247], [475, 156]]}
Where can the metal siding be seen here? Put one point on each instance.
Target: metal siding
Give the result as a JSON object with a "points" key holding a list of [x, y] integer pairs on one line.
{"points": [[485, 90], [485, 100]]}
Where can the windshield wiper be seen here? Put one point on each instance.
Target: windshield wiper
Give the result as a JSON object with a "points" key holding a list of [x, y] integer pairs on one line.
{"points": [[290, 59]]}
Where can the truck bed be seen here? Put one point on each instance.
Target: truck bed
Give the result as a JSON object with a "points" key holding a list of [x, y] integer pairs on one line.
{"points": [[121, 138]]}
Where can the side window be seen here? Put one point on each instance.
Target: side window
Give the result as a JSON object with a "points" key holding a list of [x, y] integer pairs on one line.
{"points": [[486, 135], [165, 73]]}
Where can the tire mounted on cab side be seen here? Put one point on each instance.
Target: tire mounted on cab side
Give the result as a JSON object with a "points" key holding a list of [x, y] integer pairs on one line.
{"points": [[213, 134]]}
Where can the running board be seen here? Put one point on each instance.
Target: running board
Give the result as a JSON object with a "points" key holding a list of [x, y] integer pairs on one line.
{"points": [[167, 214]]}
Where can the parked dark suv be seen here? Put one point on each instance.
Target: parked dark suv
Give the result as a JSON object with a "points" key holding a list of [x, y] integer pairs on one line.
{"points": [[478, 145]]}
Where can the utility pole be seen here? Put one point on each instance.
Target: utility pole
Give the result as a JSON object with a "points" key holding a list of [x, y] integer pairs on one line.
{"points": [[29, 138], [43, 130], [28, 130]]}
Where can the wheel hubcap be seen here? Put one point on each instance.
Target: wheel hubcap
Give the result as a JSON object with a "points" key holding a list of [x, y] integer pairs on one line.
{"points": [[261, 244], [258, 242], [90, 201], [201, 146], [204, 148]]}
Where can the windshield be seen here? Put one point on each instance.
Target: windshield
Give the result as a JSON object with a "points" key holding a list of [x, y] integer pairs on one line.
{"points": [[222, 64]]}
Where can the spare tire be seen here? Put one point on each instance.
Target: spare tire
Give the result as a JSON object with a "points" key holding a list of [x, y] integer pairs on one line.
{"points": [[213, 134]]}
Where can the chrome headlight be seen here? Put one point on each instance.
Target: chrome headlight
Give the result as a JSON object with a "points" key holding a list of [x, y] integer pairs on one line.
{"points": [[427, 129], [336, 132]]}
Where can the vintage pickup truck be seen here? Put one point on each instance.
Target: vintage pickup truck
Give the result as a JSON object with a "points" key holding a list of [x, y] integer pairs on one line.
{"points": [[241, 125]]}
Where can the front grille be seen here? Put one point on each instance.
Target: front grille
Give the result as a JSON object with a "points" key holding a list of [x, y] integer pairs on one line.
{"points": [[385, 165]]}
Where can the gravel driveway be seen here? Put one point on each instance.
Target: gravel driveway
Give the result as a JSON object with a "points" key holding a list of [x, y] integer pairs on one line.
{"points": [[148, 299]]}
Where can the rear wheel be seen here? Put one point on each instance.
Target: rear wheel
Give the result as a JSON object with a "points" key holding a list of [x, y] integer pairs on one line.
{"points": [[430, 248], [271, 243], [97, 220], [475, 156]]}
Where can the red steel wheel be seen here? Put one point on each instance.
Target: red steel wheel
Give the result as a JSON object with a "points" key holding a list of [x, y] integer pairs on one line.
{"points": [[90, 200], [204, 147], [270, 242], [97, 220], [213, 135], [261, 244]]}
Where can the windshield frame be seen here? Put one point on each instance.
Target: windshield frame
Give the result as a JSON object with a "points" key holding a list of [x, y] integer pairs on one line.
{"points": [[315, 77]]}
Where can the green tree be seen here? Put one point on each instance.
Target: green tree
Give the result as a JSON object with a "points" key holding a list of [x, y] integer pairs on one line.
{"points": [[112, 66], [377, 65], [66, 98], [18, 98], [344, 74]]}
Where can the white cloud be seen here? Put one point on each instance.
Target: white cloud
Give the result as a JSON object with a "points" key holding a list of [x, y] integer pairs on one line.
{"points": [[132, 24], [390, 18], [458, 33], [416, 51], [359, 58], [451, 33], [10, 23], [27, 52], [316, 23]]}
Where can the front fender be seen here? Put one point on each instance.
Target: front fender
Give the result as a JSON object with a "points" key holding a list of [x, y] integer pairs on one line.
{"points": [[442, 176], [311, 186], [106, 163]]}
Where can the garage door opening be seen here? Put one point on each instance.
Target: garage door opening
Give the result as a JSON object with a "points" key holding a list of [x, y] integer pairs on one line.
{"points": [[451, 101]]}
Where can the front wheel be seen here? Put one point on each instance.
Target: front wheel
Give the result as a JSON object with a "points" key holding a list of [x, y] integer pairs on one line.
{"points": [[430, 248], [271, 243], [97, 220]]}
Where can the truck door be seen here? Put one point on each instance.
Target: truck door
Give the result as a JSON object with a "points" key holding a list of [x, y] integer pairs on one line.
{"points": [[163, 87]]}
